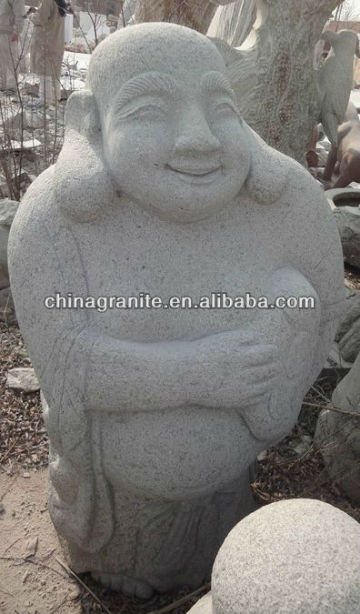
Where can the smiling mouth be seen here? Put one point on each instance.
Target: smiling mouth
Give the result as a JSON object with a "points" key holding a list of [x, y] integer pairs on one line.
{"points": [[202, 175], [195, 172]]}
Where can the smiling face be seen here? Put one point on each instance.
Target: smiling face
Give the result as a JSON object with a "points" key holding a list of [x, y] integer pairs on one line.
{"points": [[172, 136]]}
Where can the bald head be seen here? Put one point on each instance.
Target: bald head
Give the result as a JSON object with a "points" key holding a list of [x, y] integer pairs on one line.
{"points": [[148, 48]]}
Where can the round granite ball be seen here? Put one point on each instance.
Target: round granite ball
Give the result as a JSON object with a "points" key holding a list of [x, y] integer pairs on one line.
{"points": [[299, 556]]}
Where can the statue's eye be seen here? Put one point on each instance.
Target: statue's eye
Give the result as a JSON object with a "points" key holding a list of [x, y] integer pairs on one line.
{"points": [[144, 111]]}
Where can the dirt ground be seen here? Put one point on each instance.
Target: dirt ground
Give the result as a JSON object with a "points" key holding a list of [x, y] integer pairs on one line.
{"points": [[34, 577], [31, 579]]}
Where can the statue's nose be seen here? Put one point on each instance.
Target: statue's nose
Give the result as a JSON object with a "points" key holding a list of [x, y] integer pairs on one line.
{"points": [[195, 137]]}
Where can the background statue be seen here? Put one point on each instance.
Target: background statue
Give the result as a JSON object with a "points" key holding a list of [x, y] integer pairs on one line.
{"points": [[347, 154], [47, 47], [154, 415], [335, 80], [12, 13]]}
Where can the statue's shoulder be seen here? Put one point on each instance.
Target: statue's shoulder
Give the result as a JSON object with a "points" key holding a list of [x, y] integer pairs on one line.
{"points": [[301, 190], [279, 181], [38, 202], [36, 220]]}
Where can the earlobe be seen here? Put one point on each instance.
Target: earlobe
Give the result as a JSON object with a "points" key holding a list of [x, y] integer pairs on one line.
{"points": [[82, 114], [268, 170], [82, 185]]}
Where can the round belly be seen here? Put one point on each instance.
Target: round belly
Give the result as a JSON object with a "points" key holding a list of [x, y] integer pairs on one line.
{"points": [[176, 454]]}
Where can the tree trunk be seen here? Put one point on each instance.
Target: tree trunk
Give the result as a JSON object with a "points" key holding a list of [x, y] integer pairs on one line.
{"points": [[196, 14], [234, 22], [272, 73]]}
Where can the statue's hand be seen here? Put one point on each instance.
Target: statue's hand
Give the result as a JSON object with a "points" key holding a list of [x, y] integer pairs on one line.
{"points": [[232, 369]]}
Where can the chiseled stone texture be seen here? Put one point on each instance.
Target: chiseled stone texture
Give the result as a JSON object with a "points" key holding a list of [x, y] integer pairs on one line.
{"points": [[154, 416], [299, 556], [348, 333], [338, 435]]}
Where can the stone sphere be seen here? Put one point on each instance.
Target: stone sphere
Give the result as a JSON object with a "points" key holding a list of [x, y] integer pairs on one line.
{"points": [[299, 556]]}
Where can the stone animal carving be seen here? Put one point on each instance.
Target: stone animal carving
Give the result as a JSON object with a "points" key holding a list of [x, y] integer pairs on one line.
{"points": [[154, 415], [335, 80], [347, 154]]}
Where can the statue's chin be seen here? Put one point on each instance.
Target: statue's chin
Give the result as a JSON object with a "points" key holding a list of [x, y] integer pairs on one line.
{"points": [[184, 212], [193, 203]]}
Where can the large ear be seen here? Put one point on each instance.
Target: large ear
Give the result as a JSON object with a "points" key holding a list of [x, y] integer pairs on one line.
{"points": [[232, 56], [82, 185], [268, 170]]}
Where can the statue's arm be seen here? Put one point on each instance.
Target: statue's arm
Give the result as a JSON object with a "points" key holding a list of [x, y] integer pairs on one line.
{"points": [[72, 357], [319, 257], [106, 373]]}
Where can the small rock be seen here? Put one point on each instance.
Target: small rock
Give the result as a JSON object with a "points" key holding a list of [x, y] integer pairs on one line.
{"points": [[26, 475], [262, 456], [22, 378], [30, 144], [31, 547], [75, 594], [302, 446]]}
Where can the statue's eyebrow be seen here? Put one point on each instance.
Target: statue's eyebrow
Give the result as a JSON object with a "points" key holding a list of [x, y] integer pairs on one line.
{"points": [[145, 84], [216, 82]]}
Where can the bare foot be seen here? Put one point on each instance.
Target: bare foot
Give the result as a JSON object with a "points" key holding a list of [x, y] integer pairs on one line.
{"points": [[129, 586]]}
